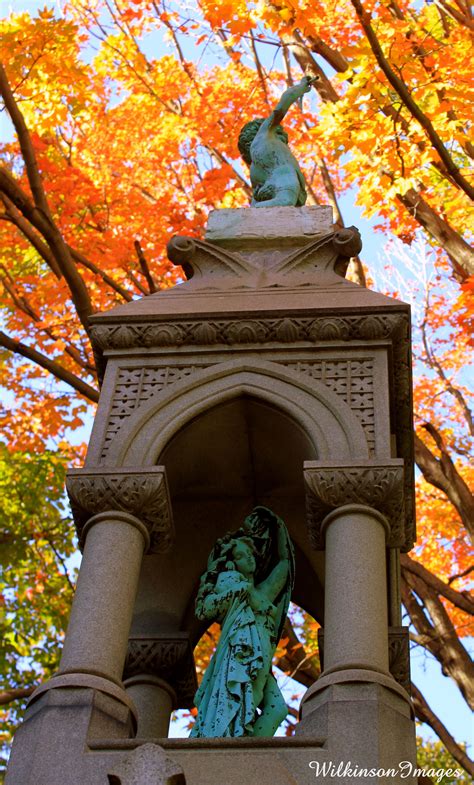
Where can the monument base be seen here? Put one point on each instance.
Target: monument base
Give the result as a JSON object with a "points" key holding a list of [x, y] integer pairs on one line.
{"points": [[368, 727]]}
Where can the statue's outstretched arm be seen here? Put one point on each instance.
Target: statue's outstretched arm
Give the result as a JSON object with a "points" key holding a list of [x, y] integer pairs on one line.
{"points": [[288, 98]]}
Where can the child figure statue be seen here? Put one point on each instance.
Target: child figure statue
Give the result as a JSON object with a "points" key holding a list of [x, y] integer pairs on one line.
{"points": [[247, 588], [276, 177]]}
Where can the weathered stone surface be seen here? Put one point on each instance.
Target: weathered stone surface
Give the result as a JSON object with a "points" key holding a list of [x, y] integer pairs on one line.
{"points": [[289, 225], [147, 765]]}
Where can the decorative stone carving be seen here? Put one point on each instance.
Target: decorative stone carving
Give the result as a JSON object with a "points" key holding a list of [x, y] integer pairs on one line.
{"points": [[134, 386], [169, 657], [148, 764], [398, 654], [352, 380], [229, 331], [325, 257], [374, 485], [140, 492]]}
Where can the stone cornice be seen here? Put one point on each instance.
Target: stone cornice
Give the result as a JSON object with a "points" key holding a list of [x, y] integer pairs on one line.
{"points": [[379, 485], [247, 329], [142, 493]]}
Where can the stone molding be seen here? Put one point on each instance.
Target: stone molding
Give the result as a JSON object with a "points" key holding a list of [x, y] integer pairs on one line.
{"points": [[167, 657], [398, 655], [246, 330], [140, 492], [325, 255], [372, 484]]}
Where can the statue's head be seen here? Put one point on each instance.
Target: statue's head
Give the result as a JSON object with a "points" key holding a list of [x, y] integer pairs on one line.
{"points": [[248, 134], [246, 137], [243, 556]]}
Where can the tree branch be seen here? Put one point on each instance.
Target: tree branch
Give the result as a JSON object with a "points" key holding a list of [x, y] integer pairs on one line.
{"points": [[459, 251], [49, 365], [462, 600], [144, 267], [408, 101], [15, 217], [27, 150], [81, 259], [15, 693], [439, 634], [443, 474], [296, 662], [44, 224], [427, 715]]}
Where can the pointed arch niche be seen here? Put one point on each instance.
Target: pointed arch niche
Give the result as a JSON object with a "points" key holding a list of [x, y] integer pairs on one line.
{"points": [[233, 436]]}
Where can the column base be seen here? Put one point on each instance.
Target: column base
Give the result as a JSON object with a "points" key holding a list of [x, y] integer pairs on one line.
{"points": [[367, 723], [348, 675], [63, 715]]}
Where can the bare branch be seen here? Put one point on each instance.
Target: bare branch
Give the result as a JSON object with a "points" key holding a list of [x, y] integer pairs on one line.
{"points": [[49, 365], [462, 600], [144, 267], [15, 693], [427, 715], [438, 634]]}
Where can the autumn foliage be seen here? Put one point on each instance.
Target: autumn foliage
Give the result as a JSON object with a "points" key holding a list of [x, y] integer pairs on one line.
{"points": [[125, 117]]}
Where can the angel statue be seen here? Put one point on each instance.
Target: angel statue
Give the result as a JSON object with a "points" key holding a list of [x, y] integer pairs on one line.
{"points": [[276, 177], [247, 588]]}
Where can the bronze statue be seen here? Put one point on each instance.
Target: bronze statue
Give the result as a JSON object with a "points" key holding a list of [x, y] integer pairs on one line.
{"points": [[274, 171], [247, 587]]}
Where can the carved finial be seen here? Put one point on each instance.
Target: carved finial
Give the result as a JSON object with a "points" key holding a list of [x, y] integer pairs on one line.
{"points": [[147, 765]]}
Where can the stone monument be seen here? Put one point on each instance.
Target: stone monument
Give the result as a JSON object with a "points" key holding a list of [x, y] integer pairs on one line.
{"points": [[265, 379]]}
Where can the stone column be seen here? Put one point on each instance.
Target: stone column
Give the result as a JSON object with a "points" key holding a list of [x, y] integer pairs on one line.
{"points": [[365, 715], [96, 640], [154, 700], [119, 514], [159, 676], [354, 512], [355, 599]]}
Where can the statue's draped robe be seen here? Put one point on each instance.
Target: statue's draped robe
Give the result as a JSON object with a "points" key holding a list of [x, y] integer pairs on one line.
{"points": [[225, 697]]}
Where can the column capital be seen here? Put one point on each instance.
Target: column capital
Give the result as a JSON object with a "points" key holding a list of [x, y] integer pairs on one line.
{"points": [[142, 493], [377, 485], [167, 657]]}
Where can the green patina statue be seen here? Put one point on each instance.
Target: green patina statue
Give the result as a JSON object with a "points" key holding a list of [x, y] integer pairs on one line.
{"points": [[247, 588], [276, 178]]}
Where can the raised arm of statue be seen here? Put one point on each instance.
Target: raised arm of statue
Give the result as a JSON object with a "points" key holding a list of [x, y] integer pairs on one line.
{"points": [[276, 177], [289, 97]]}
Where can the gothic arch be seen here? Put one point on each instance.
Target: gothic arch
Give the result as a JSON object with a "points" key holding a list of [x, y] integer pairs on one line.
{"points": [[330, 425]]}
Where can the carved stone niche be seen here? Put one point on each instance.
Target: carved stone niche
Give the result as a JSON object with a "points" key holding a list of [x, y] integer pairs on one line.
{"points": [[398, 654], [140, 492], [372, 484], [168, 657]]}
